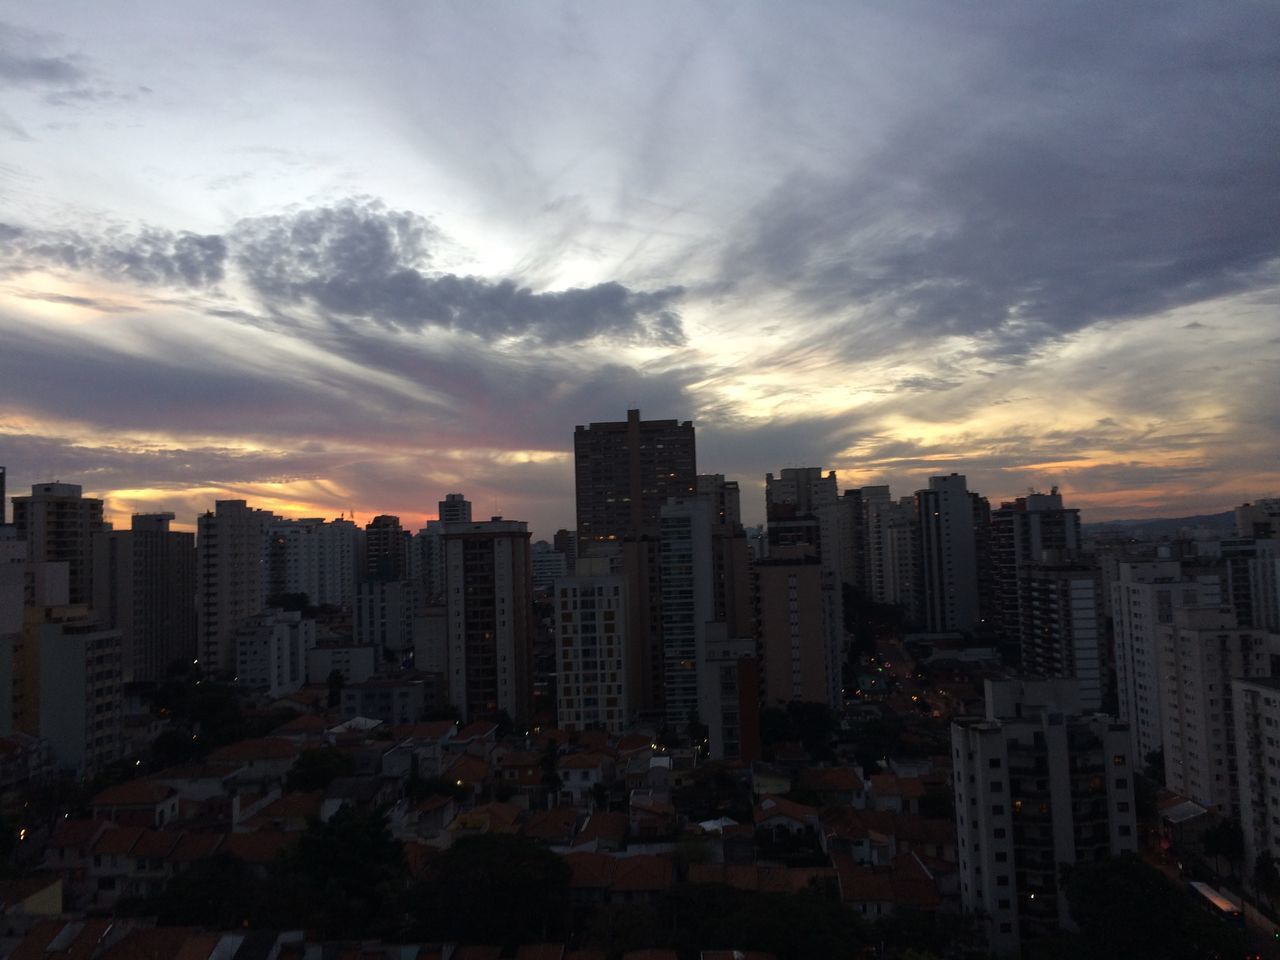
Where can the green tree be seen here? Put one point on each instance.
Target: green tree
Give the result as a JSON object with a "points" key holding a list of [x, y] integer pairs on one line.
{"points": [[1128, 910], [345, 878], [318, 767], [1224, 839], [494, 888], [336, 681], [1266, 877]]}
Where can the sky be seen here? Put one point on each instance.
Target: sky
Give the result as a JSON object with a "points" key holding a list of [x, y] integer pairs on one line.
{"points": [[347, 258]]}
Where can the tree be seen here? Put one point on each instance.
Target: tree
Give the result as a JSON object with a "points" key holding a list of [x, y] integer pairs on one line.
{"points": [[316, 768], [1266, 877], [1224, 839], [1128, 910], [345, 878], [494, 888]]}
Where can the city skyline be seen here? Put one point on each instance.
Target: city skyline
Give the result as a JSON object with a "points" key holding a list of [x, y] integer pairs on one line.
{"points": [[356, 260]]}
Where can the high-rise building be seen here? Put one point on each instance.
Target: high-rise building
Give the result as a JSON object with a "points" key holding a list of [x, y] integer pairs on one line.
{"points": [[729, 696], [81, 690], [231, 578], [796, 660], [386, 549], [454, 508], [1038, 784], [591, 646], [625, 471], [1061, 625], [688, 601], [4, 502], [1256, 717], [805, 515], [948, 558], [153, 595], [488, 592], [1144, 597], [1201, 652], [60, 524], [1021, 531], [319, 559], [271, 651], [1259, 521]]}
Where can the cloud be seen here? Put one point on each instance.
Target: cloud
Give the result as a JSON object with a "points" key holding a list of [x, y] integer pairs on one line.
{"points": [[360, 260], [151, 256], [1091, 166], [22, 66]]}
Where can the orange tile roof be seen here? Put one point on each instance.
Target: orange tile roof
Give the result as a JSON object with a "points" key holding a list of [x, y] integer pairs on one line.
{"points": [[603, 825], [586, 955], [196, 846], [644, 872], [737, 955], [489, 817], [480, 728], [134, 793], [540, 951], [831, 778], [583, 761], [76, 833], [477, 952], [889, 784], [261, 748], [468, 769], [117, 841], [771, 807], [156, 843], [650, 955], [306, 723], [296, 804], [551, 826], [591, 871], [260, 847]]}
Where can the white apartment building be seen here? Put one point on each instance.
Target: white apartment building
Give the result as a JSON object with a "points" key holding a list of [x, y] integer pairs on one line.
{"points": [[317, 557], [1037, 785], [231, 578], [1144, 598], [271, 651], [1256, 712], [1201, 653], [591, 647], [81, 687]]}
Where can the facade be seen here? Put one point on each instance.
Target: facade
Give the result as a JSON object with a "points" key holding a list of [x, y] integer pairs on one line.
{"points": [[384, 615], [688, 601], [625, 471], [1037, 785], [488, 584], [1256, 716], [591, 646], [948, 594], [153, 595], [231, 581], [59, 524], [729, 697], [318, 558], [1060, 613], [795, 658], [454, 508], [1021, 531], [80, 687], [1144, 597], [1201, 653], [386, 546], [271, 651]]}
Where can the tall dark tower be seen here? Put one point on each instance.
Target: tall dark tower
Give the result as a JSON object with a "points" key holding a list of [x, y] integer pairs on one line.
{"points": [[625, 471], [4, 502]]}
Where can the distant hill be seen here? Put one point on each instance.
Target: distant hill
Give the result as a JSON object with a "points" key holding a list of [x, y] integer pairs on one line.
{"points": [[1223, 523]]}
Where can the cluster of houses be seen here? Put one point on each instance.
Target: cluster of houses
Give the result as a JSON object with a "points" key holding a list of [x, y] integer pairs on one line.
{"points": [[612, 807]]}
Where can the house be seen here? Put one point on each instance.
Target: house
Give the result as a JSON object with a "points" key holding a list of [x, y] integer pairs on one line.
{"points": [[137, 803], [649, 817], [604, 831], [836, 786], [581, 773], [555, 827], [777, 815], [898, 794]]}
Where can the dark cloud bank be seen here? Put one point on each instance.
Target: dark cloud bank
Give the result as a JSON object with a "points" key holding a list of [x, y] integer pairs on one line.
{"points": [[355, 260]]}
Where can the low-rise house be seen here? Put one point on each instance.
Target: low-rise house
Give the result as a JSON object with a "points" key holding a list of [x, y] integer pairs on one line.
{"points": [[604, 832], [898, 794], [776, 816], [555, 827], [768, 780], [262, 762], [874, 892], [650, 818], [137, 803], [581, 773], [836, 786]]}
